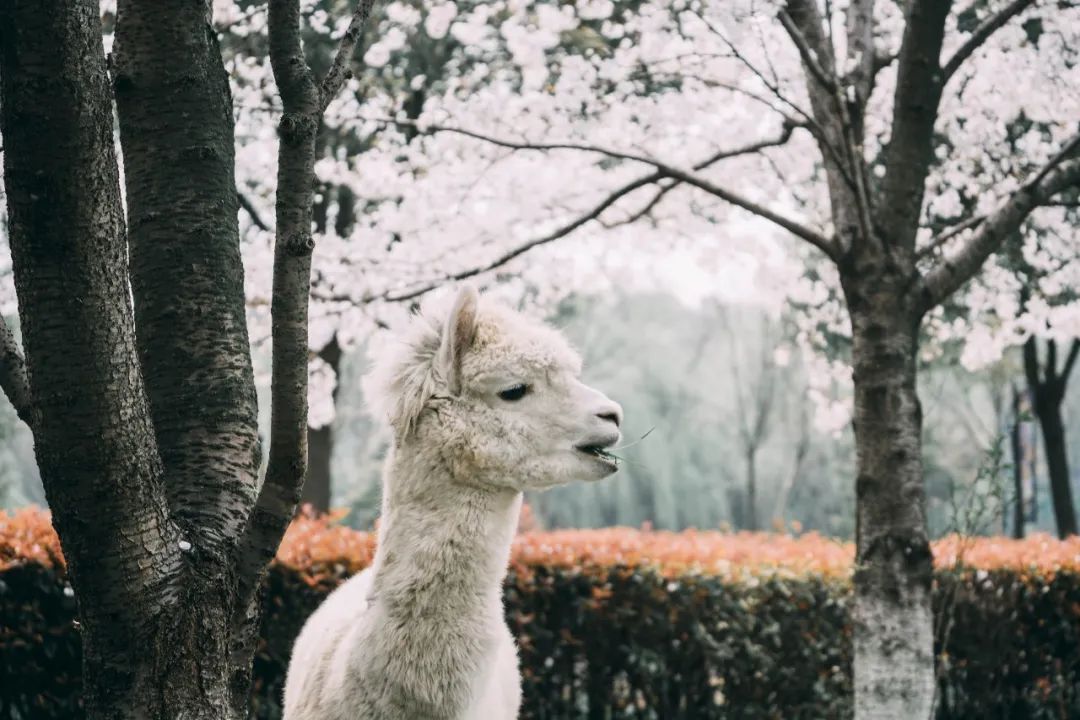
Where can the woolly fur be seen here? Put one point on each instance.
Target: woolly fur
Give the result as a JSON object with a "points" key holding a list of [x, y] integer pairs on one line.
{"points": [[421, 634]]}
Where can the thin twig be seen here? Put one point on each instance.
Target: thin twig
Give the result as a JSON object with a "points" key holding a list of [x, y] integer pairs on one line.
{"points": [[982, 34], [339, 71], [249, 208], [808, 56], [940, 240], [663, 169]]}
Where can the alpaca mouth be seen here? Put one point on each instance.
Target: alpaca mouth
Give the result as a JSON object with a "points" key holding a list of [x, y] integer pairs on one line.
{"points": [[599, 452]]}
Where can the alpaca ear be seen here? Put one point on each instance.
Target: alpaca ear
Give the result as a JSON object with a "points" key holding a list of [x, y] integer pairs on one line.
{"points": [[457, 336]]}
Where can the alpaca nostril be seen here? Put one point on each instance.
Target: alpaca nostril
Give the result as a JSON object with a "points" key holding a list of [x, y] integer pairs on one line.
{"points": [[612, 417]]}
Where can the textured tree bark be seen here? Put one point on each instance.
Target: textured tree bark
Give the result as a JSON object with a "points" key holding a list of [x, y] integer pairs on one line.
{"points": [[144, 418], [176, 128], [894, 671], [143, 644]]}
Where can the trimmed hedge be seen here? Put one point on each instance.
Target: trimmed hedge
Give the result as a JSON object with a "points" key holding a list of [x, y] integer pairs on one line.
{"points": [[721, 626]]}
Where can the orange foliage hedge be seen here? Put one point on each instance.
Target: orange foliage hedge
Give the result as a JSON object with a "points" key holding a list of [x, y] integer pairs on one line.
{"points": [[636, 624], [325, 548]]}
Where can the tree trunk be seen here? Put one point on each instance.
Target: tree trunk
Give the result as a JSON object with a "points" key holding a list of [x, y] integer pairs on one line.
{"points": [[1048, 408], [1048, 387], [149, 647], [317, 486], [751, 489], [894, 662], [1018, 465], [187, 279]]}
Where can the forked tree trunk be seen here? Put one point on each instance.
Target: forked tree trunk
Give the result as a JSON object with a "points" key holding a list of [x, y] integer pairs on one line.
{"points": [[1048, 384], [152, 643], [894, 674], [144, 421]]}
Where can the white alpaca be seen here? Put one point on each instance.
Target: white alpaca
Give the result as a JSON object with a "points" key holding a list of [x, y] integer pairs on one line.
{"points": [[484, 404]]}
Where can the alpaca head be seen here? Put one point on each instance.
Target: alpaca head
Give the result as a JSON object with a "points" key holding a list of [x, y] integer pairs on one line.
{"points": [[496, 397]]}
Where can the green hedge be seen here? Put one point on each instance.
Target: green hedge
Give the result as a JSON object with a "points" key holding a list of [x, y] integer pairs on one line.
{"points": [[624, 643]]}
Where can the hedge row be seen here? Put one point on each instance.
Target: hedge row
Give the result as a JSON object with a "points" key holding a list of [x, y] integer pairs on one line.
{"points": [[630, 624]]}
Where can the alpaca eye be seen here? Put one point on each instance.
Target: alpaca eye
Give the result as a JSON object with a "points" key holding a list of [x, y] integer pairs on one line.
{"points": [[514, 393]]}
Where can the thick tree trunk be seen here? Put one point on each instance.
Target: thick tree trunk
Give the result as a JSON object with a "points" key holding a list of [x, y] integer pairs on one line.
{"points": [[1048, 408], [176, 129], [894, 662], [187, 280], [148, 645]]}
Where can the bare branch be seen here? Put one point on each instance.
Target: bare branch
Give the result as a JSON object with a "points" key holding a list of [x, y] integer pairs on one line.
{"points": [[810, 56], [1050, 371], [982, 34], [662, 192], [339, 71], [253, 213], [593, 214], [13, 374], [663, 171], [1070, 360], [946, 236], [840, 118], [1057, 175], [560, 232], [645, 209], [1031, 363], [915, 108], [862, 59], [303, 105], [816, 239], [433, 128], [294, 78]]}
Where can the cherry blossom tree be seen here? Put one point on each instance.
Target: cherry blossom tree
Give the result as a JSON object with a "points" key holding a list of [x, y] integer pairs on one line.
{"points": [[874, 133], [137, 382]]}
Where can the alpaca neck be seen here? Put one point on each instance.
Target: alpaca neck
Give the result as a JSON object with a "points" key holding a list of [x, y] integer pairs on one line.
{"points": [[443, 544]]}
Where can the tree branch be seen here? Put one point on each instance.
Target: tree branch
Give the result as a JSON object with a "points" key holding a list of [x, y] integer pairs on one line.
{"points": [[840, 118], [645, 209], [915, 107], [981, 35], [947, 235], [253, 213], [663, 170], [1057, 175], [13, 374], [1031, 363], [659, 195], [295, 81], [1050, 371], [506, 257], [1070, 360], [339, 71], [434, 128], [303, 105], [861, 58], [810, 56]]}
